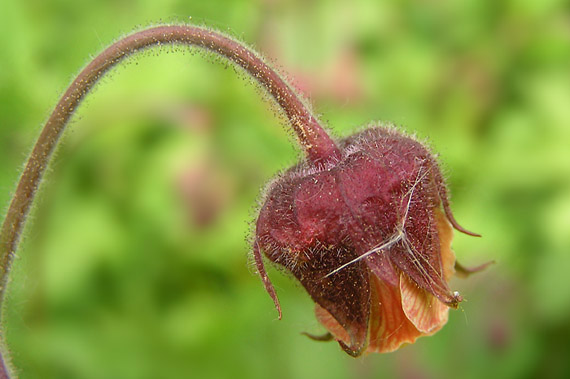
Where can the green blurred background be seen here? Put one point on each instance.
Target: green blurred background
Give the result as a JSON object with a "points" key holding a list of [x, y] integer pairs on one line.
{"points": [[135, 265]]}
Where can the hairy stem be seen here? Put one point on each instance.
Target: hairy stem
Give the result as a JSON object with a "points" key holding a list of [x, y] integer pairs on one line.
{"points": [[316, 143]]}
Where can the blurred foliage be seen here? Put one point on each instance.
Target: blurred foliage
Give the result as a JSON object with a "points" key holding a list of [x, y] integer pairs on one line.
{"points": [[135, 265]]}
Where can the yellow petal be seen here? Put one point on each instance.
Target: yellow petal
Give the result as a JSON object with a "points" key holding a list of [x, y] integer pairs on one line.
{"points": [[445, 232], [389, 326], [424, 310]]}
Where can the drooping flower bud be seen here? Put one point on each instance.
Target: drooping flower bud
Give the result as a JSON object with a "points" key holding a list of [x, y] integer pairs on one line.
{"points": [[369, 237]]}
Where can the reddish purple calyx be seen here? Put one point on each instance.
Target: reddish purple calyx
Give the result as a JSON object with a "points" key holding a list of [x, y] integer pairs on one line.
{"points": [[371, 213]]}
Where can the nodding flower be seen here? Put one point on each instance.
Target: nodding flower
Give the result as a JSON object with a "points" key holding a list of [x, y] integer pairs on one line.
{"points": [[364, 225], [369, 237]]}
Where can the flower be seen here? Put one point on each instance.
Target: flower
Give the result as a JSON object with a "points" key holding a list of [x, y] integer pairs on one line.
{"points": [[368, 237]]}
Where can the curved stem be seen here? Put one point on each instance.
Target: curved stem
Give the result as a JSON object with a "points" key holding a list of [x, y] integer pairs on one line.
{"points": [[316, 143]]}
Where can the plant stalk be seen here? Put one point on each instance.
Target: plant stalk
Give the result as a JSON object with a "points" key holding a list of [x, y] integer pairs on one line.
{"points": [[318, 146]]}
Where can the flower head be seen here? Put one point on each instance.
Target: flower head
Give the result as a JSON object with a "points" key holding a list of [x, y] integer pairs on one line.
{"points": [[369, 237]]}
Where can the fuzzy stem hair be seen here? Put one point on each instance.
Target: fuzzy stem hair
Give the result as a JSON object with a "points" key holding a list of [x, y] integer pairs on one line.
{"points": [[316, 143]]}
